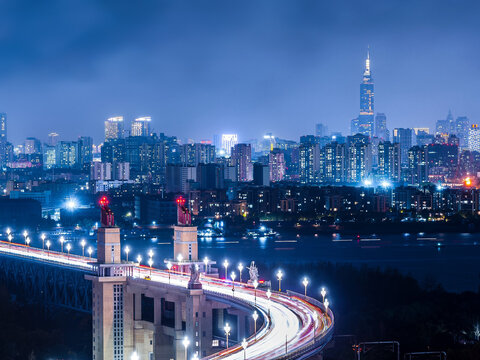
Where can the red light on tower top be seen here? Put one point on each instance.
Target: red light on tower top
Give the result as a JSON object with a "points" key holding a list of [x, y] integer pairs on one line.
{"points": [[104, 201], [180, 200]]}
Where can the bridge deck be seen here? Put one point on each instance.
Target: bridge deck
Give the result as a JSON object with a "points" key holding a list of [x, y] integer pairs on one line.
{"points": [[295, 327]]}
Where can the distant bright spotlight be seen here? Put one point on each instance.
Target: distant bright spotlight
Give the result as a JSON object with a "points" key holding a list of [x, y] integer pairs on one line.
{"points": [[385, 184], [71, 204], [367, 182]]}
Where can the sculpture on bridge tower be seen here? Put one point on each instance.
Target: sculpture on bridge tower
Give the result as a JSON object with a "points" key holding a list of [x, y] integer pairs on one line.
{"points": [[106, 218], [253, 272], [194, 282], [185, 245], [108, 236], [184, 217]]}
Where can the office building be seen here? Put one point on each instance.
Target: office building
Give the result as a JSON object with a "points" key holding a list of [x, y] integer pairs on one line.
{"points": [[474, 138], [228, 142], [334, 164], [261, 174], [32, 146], [389, 167], [381, 130], [141, 126], [53, 139], [403, 136], [417, 165], [321, 130], [114, 128]]}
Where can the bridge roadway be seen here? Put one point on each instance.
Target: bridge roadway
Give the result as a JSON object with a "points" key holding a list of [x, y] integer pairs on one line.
{"points": [[294, 327]]}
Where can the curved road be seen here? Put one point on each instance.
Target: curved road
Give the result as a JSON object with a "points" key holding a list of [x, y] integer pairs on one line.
{"points": [[291, 324]]}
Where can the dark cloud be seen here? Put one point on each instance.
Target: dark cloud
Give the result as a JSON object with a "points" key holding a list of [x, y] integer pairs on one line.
{"points": [[204, 67]]}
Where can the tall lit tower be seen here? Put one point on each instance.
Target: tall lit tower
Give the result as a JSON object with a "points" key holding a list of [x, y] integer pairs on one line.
{"points": [[366, 117], [3, 138]]}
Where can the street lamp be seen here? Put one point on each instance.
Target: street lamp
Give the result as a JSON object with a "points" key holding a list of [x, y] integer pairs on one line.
{"points": [[134, 356], [25, 234], [139, 259], [323, 293], [150, 263], [195, 357], [27, 242], [10, 238], [185, 343], [150, 253], [69, 247], [205, 261], [43, 237], [255, 285], [244, 346], [83, 243], [169, 266], [62, 240], [8, 231], [227, 329], [240, 269], [225, 265], [279, 277], [326, 303], [255, 318], [90, 251], [233, 276], [48, 243], [305, 284], [127, 250]]}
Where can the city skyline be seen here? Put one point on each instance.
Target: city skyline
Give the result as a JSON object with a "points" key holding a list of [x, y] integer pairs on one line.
{"points": [[292, 72]]}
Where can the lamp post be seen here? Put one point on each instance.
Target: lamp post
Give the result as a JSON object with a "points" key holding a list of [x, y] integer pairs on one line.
{"points": [[169, 267], [233, 276], [150, 263], [90, 251], [69, 247], [195, 357], [326, 303], [206, 261], [83, 243], [8, 231], [279, 277], [255, 285], [255, 318], [127, 250], [43, 237], [244, 346], [269, 293], [25, 234], [227, 329], [10, 238], [134, 356], [62, 240], [240, 269], [48, 243], [225, 265], [323, 293], [185, 343], [27, 242], [305, 284], [150, 253]]}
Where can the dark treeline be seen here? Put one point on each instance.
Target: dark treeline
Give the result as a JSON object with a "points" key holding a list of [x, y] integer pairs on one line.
{"points": [[377, 305]]}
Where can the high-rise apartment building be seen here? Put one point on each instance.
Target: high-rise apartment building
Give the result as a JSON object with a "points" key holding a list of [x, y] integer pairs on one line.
{"points": [[241, 158], [141, 126], [309, 163], [276, 162], [417, 165], [228, 142], [474, 138], [32, 146], [389, 167], [462, 127], [334, 163], [359, 158], [66, 154], [114, 128], [194, 154], [403, 136], [53, 139]]}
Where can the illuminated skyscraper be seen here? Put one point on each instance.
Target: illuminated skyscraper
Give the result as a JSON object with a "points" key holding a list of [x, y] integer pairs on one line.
{"points": [[229, 141], [114, 128], [381, 130], [141, 126], [404, 138], [365, 119], [389, 161], [276, 161], [359, 158], [53, 139]]}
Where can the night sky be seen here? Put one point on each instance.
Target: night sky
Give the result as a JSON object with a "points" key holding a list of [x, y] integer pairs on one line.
{"points": [[201, 67]]}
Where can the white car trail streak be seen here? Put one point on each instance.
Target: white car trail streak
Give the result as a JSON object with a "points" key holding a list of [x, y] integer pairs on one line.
{"points": [[291, 324]]}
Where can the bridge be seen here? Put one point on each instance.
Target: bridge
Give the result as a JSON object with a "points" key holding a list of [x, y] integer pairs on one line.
{"points": [[190, 309]]}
